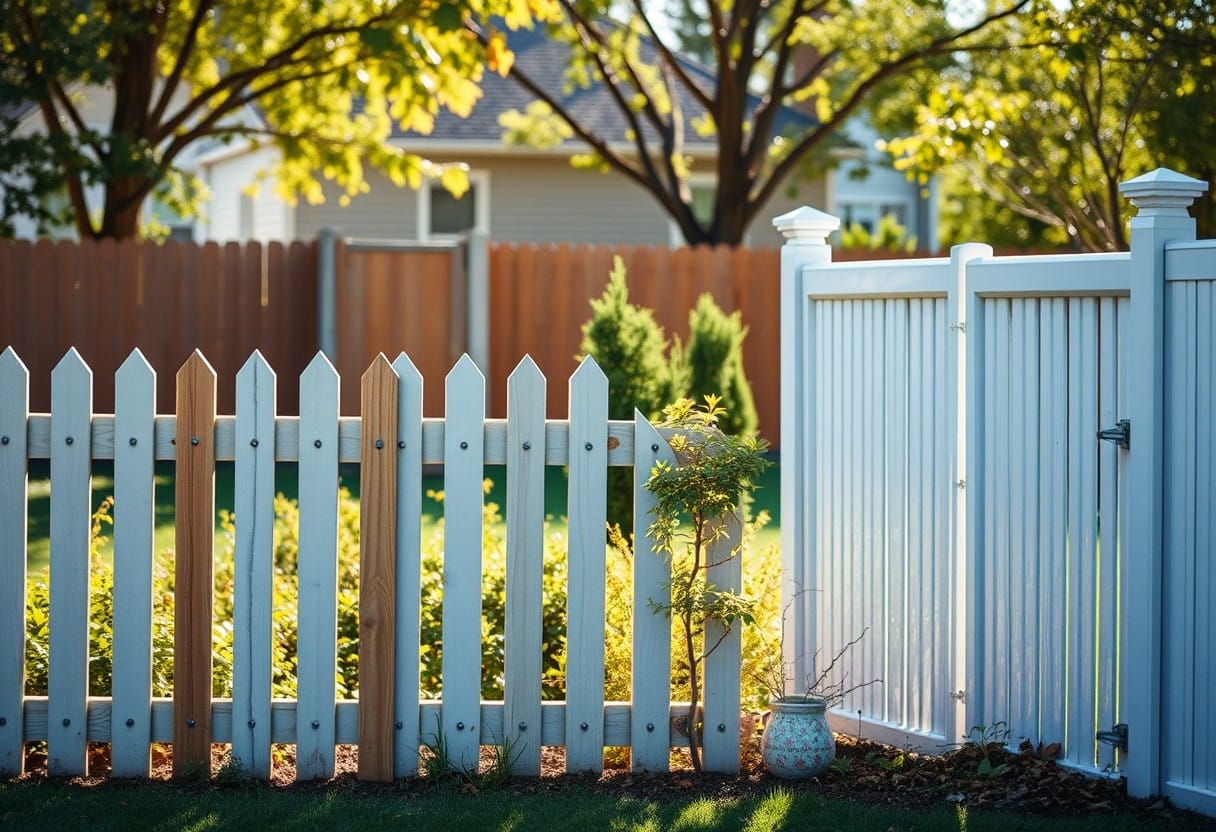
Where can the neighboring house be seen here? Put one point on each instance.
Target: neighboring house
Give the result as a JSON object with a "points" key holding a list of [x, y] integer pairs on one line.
{"points": [[517, 194], [867, 188], [95, 104]]}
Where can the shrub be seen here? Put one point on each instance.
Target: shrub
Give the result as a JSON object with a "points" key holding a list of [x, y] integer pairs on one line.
{"points": [[715, 365], [632, 350]]}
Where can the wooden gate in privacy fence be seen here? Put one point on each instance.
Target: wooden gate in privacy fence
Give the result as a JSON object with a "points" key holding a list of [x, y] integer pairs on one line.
{"points": [[391, 442], [944, 486]]}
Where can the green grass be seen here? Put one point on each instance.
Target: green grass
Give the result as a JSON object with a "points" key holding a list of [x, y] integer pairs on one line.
{"points": [[160, 806], [286, 482]]}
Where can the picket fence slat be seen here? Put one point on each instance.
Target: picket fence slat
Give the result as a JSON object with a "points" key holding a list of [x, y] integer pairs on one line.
{"points": [[194, 514], [409, 566], [465, 397], [586, 568], [68, 683], [377, 571], [318, 570], [253, 567], [14, 409], [134, 518], [525, 512], [720, 740], [650, 740]]}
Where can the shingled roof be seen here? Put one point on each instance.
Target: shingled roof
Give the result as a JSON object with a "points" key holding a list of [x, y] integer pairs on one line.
{"points": [[544, 60]]}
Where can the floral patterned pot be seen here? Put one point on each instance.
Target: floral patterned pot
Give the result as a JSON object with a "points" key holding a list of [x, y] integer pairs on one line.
{"points": [[797, 742]]}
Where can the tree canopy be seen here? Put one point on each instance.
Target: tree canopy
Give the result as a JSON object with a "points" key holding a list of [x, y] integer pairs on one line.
{"points": [[823, 57], [323, 80], [1033, 143]]}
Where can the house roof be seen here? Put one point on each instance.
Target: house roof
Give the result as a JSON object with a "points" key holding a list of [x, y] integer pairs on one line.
{"points": [[544, 59]]}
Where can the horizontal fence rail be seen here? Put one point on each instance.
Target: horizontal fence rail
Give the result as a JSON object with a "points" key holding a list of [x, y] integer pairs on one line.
{"points": [[391, 442]]}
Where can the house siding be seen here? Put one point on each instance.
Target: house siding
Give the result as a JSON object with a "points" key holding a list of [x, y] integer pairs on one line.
{"points": [[226, 182], [385, 212]]}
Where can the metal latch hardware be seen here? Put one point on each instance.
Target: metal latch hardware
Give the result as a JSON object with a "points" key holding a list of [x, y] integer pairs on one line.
{"points": [[1117, 736], [1120, 434]]}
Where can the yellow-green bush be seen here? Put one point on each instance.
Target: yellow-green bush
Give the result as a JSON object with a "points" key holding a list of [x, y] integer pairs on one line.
{"points": [[761, 569]]}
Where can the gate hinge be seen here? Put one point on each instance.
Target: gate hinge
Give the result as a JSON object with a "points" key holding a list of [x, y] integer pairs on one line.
{"points": [[1120, 434], [1117, 736], [959, 695], [961, 326]]}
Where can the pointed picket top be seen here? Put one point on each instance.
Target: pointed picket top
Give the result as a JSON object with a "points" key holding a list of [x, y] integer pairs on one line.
{"points": [[526, 366], [11, 366], [134, 367], [71, 366], [405, 368], [379, 370], [1162, 191], [257, 367], [466, 368], [196, 364], [806, 225], [590, 370], [320, 364]]}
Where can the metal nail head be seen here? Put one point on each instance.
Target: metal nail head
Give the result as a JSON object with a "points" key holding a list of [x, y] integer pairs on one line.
{"points": [[649, 726], [316, 443], [588, 446], [379, 444], [69, 440], [459, 726], [253, 443], [189, 723], [3, 721], [66, 722], [401, 443], [721, 727], [193, 440], [399, 725], [527, 446], [655, 447], [4, 440], [252, 723], [132, 441], [584, 726], [316, 724], [130, 722], [464, 446], [523, 726]]}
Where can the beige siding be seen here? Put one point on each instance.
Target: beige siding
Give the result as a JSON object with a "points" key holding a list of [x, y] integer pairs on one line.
{"points": [[226, 180], [385, 212], [814, 194], [541, 200]]}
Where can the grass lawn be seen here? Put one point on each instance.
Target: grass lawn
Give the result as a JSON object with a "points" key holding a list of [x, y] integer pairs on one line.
{"points": [[767, 498], [170, 806]]}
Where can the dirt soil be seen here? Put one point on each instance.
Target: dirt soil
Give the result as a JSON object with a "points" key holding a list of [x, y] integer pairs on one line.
{"points": [[989, 778]]}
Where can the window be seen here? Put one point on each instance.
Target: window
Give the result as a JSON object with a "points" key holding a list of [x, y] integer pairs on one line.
{"points": [[442, 215]]}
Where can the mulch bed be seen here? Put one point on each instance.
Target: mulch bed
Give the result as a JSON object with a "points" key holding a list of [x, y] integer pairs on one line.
{"points": [[1028, 782]]}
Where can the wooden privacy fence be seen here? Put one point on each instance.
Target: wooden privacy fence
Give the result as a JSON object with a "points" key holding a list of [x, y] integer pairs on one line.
{"points": [[390, 441], [945, 485]]}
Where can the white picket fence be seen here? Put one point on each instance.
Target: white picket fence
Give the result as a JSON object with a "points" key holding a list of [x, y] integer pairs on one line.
{"points": [[391, 441], [943, 486]]}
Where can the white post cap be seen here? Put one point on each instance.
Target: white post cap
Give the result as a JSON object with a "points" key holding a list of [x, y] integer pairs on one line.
{"points": [[1162, 191], [806, 225]]}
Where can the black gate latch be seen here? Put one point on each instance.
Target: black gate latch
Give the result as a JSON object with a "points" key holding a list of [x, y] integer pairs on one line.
{"points": [[1120, 434], [1116, 737]]}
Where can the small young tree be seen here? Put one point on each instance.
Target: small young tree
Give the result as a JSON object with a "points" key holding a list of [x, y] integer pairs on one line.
{"points": [[694, 499]]}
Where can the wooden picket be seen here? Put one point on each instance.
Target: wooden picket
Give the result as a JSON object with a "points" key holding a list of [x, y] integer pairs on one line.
{"points": [[253, 567], [134, 516], [525, 565], [14, 410], [463, 452], [318, 569], [68, 683], [391, 442]]}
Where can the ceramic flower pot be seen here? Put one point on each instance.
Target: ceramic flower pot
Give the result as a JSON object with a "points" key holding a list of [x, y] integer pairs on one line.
{"points": [[797, 742]]}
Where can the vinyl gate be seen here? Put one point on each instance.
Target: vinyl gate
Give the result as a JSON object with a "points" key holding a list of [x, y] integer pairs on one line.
{"points": [[944, 490]]}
